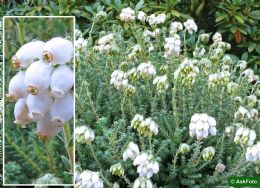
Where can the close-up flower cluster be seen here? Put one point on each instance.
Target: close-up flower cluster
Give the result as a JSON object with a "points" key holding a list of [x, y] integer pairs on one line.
{"points": [[40, 94], [39, 98]]}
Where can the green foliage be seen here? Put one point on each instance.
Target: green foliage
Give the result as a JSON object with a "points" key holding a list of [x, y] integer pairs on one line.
{"points": [[25, 154], [13, 172], [239, 20]]}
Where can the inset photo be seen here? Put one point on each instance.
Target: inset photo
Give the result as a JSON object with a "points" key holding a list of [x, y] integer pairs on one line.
{"points": [[38, 76]]}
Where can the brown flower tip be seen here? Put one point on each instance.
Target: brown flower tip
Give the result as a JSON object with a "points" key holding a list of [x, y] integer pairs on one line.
{"points": [[32, 89], [47, 56], [58, 122], [15, 62], [19, 124], [42, 136], [11, 97]]}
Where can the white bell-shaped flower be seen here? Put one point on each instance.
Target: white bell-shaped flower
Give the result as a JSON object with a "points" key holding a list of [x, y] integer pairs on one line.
{"points": [[27, 54], [21, 113], [61, 110], [62, 80], [58, 51], [38, 77], [17, 88], [46, 128], [38, 105]]}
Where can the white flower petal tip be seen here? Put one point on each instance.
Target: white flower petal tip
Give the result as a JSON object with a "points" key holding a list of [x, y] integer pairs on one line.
{"points": [[61, 110], [58, 51], [17, 88], [38, 105], [35, 115], [21, 113], [27, 54], [58, 122], [62, 81], [46, 128], [37, 77]]}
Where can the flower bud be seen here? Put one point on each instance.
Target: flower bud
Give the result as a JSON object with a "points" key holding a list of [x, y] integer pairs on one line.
{"points": [[184, 148], [38, 105], [46, 128], [38, 77], [208, 153], [204, 38], [21, 113], [17, 88], [61, 110], [27, 53], [143, 182], [84, 134], [62, 80], [58, 51], [117, 169], [252, 100], [220, 168]]}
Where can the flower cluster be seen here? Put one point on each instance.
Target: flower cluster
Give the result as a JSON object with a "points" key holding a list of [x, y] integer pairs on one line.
{"points": [[232, 88], [89, 179], [117, 169], [147, 126], [175, 27], [221, 78], [119, 79], [127, 15], [80, 44], [105, 43], [156, 19], [253, 153], [202, 125], [40, 95], [217, 37], [190, 26], [136, 48], [208, 153], [84, 134], [147, 166], [161, 83], [251, 100], [249, 74], [131, 151], [172, 45], [245, 136], [146, 70], [143, 182], [244, 114], [186, 72]]}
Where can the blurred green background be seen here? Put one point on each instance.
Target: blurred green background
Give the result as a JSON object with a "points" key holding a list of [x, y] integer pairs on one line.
{"points": [[26, 157]]}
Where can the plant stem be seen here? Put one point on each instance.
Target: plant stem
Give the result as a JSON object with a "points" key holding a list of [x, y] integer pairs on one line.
{"points": [[122, 105], [21, 32], [91, 29], [184, 38], [99, 166], [174, 106], [175, 160], [127, 180], [70, 150], [91, 102]]}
